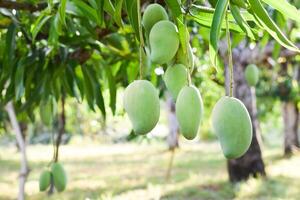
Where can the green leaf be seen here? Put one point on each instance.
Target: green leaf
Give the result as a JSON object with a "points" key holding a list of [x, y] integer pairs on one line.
{"points": [[175, 8], [39, 23], [131, 8], [19, 80], [184, 36], [10, 45], [87, 11], [109, 7], [118, 13], [285, 8], [112, 88], [215, 30], [62, 11], [241, 21], [88, 87], [269, 25]]}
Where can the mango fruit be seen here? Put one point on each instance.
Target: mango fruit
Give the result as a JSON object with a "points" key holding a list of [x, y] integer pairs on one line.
{"points": [[189, 111], [175, 79], [251, 74], [232, 124], [59, 176], [186, 59], [45, 180], [141, 102], [153, 14], [164, 42]]}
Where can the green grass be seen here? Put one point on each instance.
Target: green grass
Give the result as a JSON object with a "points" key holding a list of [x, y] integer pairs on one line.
{"points": [[130, 171]]}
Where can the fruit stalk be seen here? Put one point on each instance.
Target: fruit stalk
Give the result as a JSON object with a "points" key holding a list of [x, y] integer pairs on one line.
{"points": [[140, 36], [230, 63]]}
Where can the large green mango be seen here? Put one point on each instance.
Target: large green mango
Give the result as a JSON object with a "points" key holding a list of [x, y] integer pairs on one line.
{"points": [[175, 79], [164, 42], [186, 59], [59, 176], [45, 179], [189, 111], [141, 103], [153, 14], [251, 74], [232, 124]]}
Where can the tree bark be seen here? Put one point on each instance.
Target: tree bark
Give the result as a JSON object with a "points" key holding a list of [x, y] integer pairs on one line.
{"points": [[290, 115], [172, 138], [22, 146], [251, 163]]}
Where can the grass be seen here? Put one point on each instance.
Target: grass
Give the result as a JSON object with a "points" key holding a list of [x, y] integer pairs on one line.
{"points": [[131, 171]]}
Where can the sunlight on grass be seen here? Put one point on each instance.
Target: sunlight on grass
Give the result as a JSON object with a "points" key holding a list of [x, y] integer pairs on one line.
{"points": [[130, 171]]}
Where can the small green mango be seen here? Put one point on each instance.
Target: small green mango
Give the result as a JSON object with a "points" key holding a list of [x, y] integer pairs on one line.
{"points": [[44, 181], [141, 103], [153, 14], [232, 124], [189, 111], [175, 79], [188, 59], [164, 42], [59, 176], [252, 74]]}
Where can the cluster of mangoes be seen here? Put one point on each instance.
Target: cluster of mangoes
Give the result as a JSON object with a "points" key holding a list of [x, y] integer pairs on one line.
{"points": [[141, 100], [57, 174], [230, 118]]}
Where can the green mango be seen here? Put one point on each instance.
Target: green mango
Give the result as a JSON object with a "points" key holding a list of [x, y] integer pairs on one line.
{"points": [[175, 79], [252, 74], [141, 103], [59, 176], [189, 111], [232, 124], [45, 180], [153, 14], [188, 59], [164, 42]]}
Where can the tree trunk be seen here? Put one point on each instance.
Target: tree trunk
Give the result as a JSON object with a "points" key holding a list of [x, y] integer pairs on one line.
{"points": [[251, 163], [22, 146], [290, 114], [172, 138]]}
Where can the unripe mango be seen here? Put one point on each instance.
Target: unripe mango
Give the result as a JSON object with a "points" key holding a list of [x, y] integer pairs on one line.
{"points": [[141, 103], [59, 176], [189, 111], [232, 124], [252, 74], [164, 42], [188, 59], [153, 14], [44, 181], [175, 79]]}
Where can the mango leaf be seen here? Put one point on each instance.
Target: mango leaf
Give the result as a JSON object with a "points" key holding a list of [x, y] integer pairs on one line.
{"points": [[175, 8], [39, 23], [62, 11], [89, 87], [242, 22], [118, 13], [285, 8], [131, 9], [109, 7], [87, 11], [10, 45], [215, 30], [112, 88], [19, 80], [184, 36], [262, 17]]}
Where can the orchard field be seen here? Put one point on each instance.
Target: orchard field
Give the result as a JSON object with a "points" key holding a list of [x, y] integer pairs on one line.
{"points": [[130, 171], [149, 99]]}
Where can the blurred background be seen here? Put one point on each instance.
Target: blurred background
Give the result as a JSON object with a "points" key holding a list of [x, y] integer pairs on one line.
{"points": [[81, 63]]}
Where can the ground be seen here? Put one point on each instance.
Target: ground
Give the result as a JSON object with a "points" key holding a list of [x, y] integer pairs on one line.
{"points": [[138, 171]]}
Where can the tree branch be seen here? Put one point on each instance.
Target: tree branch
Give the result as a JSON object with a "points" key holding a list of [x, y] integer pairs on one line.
{"points": [[22, 5]]}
